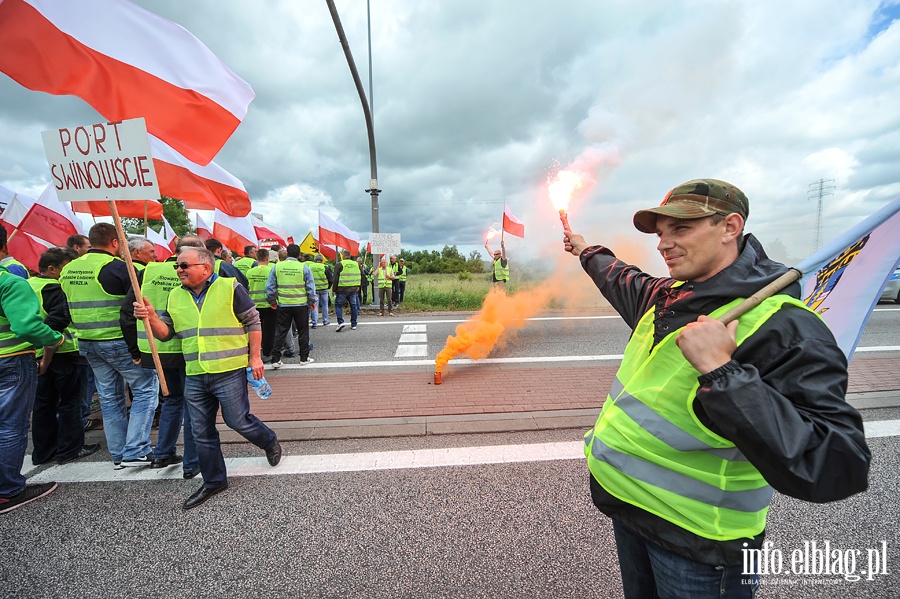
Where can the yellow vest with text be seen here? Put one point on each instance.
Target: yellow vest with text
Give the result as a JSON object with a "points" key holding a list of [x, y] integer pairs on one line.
{"points": [[213, 340], [244, 264], [70, 343], [291, 284], [350, 275], [159, 280], [95, 313], [257, 277], [649, 449], [501, 273], [319, 276]]}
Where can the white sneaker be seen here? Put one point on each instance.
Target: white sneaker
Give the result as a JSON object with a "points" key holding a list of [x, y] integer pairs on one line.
{"points": [[277, 365], [307, 361], [352, 328]]}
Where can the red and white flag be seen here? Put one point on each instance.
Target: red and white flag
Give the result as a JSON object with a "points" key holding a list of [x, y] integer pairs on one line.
{"points": [[334, 233], [511, 224], [125, 208], [234, 233], [170, 236], [201, 187], [40, 224], [204, 231], [160, 244], [266, 231], [126, 62]]}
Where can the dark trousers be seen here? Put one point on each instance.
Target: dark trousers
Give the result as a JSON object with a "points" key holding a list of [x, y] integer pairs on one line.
{"points": [[299, 315], [57, 430], [395, 286], [173, 418], [268, 319], [364, 294], [400, 291]]}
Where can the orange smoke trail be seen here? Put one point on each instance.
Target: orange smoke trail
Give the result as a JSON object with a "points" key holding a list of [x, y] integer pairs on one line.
{"points": [[501, 315]]}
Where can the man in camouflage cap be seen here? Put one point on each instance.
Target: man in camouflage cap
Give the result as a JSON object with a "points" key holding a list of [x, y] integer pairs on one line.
{"points": [[704, 420]]}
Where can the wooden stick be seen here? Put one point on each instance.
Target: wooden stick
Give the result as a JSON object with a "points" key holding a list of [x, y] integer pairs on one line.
{"points": [[11, 235], [123, 243], [768, 291]]}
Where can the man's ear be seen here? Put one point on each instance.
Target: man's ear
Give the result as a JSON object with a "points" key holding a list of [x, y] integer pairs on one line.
{"points": [[734, 226]]}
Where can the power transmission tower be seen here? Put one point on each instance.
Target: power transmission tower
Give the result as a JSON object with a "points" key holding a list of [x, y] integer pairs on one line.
{"points": [[819, 189]]}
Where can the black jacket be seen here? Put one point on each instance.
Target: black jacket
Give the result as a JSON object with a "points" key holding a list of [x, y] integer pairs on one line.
{"points": [[780, 400]]}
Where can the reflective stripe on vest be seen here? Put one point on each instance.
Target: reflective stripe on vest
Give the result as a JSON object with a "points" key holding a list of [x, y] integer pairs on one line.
{"points": [[95, 313], [350, 275], [402, 274], [258, 276], [159, 280], [649, 449], [501, 273], [319, 276], [291, 283], [70, 343], [213, 340]]}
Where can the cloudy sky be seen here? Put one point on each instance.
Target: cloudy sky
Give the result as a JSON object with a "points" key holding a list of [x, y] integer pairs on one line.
{"points": [[477, 103]]}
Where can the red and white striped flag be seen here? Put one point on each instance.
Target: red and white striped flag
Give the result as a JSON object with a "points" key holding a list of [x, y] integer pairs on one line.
{"points": [[163, 251], [42, 223], [511, 224], [201, 187], [204, 231], [126, 62], [266, 231], [170, 236], [334, 233], [234, 233]]}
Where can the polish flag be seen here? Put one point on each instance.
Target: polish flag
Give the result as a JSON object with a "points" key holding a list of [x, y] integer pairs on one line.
{"points": [[170, 236], [204, 231], [511, 224], [126, 62], [334, 233], [201, 187], [266, 231], [38, 224], [125, 208], [234, 233], [163, 251], [28, 249]]}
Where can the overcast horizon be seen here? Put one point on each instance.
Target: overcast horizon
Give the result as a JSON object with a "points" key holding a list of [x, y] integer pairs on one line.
{"points": [[477, 103]]}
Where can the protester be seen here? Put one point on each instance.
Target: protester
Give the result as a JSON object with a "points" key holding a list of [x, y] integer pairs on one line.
{"points": [[385, 276], [292, 290], [95, 285], [10, 263], [258, 276], [365, 281], [395, 269], [78, 242], [21, 329], [81, 244], [57, 431], [247, 261], [500, 267], [704, 419], [401, 273], [216, 363], [156, 283], [323, 277], [142, 251], [347, 280]]}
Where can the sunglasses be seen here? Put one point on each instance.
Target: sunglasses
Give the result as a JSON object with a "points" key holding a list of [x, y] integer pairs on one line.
{"points": [[184, 265]]}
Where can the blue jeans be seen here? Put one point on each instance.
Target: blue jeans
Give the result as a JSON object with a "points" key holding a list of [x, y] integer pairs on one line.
{"points": [[88, 396], [127, 435], [650, 571], [18, 385], [204, 394], [57, 430], [321, 303], [353, 298], [173, 413]]}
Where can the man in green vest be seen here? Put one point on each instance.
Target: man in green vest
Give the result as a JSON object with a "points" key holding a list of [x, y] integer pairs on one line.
{"points": [[401, 273], [95, 286], [257, 277], [218, 326], [57, 431], [347, 279], [143, 252], [323, 279], [247, 261], [292, 290], [21, 330], [703, 420], [500, 266]]}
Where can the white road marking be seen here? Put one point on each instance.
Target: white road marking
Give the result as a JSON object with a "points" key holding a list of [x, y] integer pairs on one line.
{"points": [[879, 348], [413, 338], [357, 462], [414, 328], [411, 351]]}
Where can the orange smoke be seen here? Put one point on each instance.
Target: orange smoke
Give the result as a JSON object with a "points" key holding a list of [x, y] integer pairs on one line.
{"points": [[500, 316]]}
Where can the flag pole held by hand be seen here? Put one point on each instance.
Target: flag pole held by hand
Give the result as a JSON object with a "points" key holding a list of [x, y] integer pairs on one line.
{"points": [[766, 292]]}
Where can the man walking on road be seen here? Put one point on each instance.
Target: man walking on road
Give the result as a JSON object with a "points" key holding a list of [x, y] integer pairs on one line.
{"points": [[95, 286], [216, 363], [696, 433], [292, 289], [347, 279]]}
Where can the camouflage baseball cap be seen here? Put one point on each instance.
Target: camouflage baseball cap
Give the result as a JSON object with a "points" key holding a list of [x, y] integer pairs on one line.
{"points": [[695, 199]]}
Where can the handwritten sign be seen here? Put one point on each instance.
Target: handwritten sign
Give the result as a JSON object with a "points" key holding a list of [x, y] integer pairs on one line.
{"points": [[103, 161], [385, 243]]}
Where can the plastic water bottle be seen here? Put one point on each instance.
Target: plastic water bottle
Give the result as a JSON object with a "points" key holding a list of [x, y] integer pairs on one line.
{"points": [[261, 386]]}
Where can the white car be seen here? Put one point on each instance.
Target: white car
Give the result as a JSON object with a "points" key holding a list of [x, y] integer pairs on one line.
{"points": [[892, 289]]}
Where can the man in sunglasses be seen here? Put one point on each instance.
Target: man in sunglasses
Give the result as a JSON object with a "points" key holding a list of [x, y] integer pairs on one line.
{"points": [[216, 364]]}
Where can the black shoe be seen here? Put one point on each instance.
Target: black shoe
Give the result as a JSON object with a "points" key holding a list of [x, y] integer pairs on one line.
{"points": [[163, 462], [30, 493], [92, 423], [188, 474], [273, 454], [82, 453], [289, 355], [141, 461], [201, 496]]}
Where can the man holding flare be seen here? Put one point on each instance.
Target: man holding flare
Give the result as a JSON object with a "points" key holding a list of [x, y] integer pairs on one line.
{"points": [[704, 420]]}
